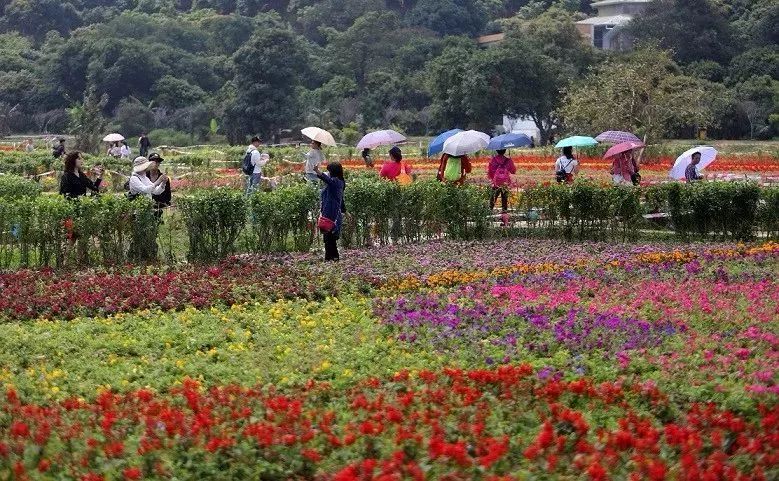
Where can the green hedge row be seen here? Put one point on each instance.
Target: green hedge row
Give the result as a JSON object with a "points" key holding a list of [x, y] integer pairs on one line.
{"points": [[705, 210], [210, 225], [50, 231]]}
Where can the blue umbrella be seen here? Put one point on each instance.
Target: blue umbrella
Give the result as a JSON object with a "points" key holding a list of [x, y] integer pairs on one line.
{"points": [[577, 141], [437, 145], [509, 141]]}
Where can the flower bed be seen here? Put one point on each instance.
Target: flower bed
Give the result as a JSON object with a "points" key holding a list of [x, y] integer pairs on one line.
{"points": [[450, 360], [497, 424]]}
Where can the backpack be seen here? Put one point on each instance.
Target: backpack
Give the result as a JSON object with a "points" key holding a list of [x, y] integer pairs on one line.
{"points": [[404, 178], [246, 165], [502, 176], [453, 171]]}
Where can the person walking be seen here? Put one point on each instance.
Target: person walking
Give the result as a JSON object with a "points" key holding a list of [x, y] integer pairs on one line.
{"points": [[566, 166], [144, 144], [314, 158], [453, 170], [163, 200], [333, 208], [140, 184], [499, 171], [624, 168], [253, 164], [395, 169], [59, 150], [74, 182], [124, 150], [691, 173]]}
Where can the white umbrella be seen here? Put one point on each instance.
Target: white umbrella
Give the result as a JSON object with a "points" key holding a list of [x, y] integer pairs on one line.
{"points": [[466, 142], [113, 138], [320, 135], [708, 154], [380, 137]]}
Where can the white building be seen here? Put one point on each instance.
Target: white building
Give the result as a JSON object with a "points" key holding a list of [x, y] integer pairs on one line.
{"points": [[603, 31]]}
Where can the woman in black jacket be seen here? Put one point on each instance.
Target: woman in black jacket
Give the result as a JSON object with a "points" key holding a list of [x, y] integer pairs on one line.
{"points": [[74, 182]]}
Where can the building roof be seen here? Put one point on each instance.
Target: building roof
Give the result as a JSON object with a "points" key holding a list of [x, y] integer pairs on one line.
{"points": [[613, 20], [606, 3]]}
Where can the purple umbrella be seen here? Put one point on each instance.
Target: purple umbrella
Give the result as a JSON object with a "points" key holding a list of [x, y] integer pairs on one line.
{"points": [[381, 137], [616, 137]]}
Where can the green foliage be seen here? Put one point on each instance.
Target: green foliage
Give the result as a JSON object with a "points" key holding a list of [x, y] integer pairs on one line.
{"points": [[647, 96], [449, 17], [87, 122], [282, 220], [13, 187], [213, 220], [52, 231]]}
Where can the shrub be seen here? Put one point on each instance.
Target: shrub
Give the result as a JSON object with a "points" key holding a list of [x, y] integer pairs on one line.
{"points": [[14, 187], [214, 220], [170, 137], [281, 216]]}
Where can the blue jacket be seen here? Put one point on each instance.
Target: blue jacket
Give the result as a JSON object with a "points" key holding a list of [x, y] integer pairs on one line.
{"points": [[332, 198]]}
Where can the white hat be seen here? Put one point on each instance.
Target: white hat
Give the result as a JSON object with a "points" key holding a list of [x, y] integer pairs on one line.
{"points": [[140, 164]]}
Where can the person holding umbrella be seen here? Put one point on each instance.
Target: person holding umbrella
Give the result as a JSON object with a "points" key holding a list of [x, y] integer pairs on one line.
{"points": [[566, 166], [455, 164], [691, 173], [499, 171]]}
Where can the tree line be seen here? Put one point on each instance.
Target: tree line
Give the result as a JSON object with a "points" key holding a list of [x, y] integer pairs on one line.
{"points": [[198, 70]]}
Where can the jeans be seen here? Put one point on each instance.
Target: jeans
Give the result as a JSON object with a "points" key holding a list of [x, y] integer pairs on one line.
{"points": [[331, 246], [252, 182], [504, 197]]}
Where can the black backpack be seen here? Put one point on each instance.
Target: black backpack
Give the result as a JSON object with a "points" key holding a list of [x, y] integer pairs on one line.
{"points": [[246, 165]]}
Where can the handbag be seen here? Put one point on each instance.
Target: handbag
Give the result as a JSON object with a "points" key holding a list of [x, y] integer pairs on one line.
{"points": [[404, 178], [325, 225]]}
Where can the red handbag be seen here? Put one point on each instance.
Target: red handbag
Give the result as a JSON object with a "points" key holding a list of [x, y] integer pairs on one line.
{"points": [[325, 225]]}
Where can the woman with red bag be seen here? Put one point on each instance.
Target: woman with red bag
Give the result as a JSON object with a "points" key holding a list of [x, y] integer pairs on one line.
{"points": [[333, 208]]}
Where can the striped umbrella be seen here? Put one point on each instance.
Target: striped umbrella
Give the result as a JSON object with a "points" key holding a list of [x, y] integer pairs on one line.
{"points": [[616, 137]]}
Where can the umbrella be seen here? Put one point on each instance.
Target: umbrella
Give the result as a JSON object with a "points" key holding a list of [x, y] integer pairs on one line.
{"points": [[577, 141], [616, 137], [708, 154], [507, 141], [466, 142], [113, 138], [622, 148], [320, 135], [437, 145], [380, 137]]}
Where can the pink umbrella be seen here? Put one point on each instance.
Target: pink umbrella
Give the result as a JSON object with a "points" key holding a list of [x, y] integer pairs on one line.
{"points": [[616, 137], [622, 148]]}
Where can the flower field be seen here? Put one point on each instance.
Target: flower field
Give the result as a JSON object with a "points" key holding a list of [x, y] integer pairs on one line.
{"points": [[499, 360]]}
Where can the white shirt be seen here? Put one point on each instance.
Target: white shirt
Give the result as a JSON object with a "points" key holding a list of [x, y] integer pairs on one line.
{"points": [[124, 152], [564, 163], [258, 160], [115, 151], [141, 185], [314, 158]]}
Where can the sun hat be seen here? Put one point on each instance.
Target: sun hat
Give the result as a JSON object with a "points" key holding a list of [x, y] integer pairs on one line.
{"points": [[140, 164]]}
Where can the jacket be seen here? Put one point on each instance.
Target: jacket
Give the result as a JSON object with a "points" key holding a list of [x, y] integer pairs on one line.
{"points": [[332, 198], [72, 185]]}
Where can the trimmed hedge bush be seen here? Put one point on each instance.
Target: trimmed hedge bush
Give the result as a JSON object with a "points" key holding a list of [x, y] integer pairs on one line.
{"points": [[15, 187], [50, 231]]}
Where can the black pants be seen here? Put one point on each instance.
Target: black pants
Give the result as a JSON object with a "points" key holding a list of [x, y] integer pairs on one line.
{"points": [[503, 192], [331, 246]]}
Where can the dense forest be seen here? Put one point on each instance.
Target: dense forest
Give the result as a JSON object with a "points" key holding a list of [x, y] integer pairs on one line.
{"points": [[197, 70]]}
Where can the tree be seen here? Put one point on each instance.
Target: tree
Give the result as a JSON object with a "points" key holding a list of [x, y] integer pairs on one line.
{"points": [[446, 76], [755, 62], [36, 17], [516, 80], [267, 71], [449, 17], [692, 29], [87, 122], [175, 93], [642, 93]]}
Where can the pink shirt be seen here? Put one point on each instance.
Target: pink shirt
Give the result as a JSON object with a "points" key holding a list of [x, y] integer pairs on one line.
{"points": [[391, 169]]}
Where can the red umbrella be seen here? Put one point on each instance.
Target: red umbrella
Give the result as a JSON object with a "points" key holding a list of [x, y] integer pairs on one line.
{"points": [[622, 148]]}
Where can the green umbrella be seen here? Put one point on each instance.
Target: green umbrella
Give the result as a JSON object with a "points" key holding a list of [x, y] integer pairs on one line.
{"points": [[576, 141]]}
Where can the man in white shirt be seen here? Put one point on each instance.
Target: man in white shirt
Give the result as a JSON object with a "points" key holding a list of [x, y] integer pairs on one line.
{"points": [[257, 161], [139, 182]]}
